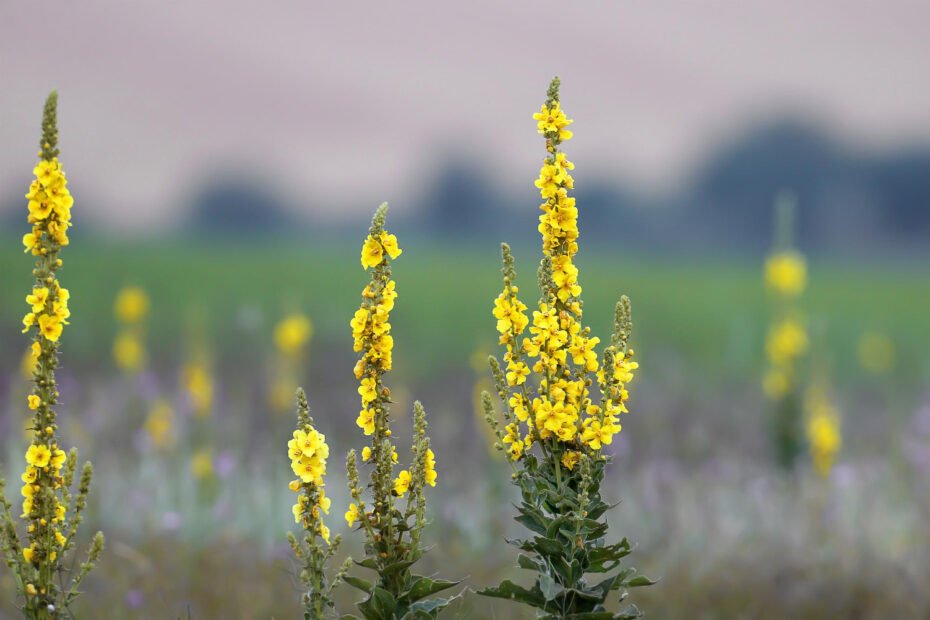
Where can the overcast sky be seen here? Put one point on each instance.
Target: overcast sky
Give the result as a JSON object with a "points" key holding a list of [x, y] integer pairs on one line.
{"points": [[355, 102]]}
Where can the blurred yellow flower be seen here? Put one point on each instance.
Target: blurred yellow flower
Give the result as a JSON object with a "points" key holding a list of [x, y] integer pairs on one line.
{"points": [[199, 384], [786, 341], [876, 352], [776, 383], [202, 464], [128, 351], [292, 333], [159, 424], [131, 304], [786, 273], [823, 430]]}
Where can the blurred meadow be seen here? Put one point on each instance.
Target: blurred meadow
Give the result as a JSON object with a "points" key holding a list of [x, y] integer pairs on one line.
{"points": [[192, 327]]}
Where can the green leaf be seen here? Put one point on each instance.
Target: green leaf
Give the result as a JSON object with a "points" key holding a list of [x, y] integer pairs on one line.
{"points": [[432, 607], [639, 581], [361, 584], [511, 591], [548, 586], [368, 563], [380, 605], [424, 586]]}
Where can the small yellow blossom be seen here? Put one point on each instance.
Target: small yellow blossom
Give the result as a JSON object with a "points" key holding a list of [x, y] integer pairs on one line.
{"points": [[402, 483], [292, 333], [352, 514], [38, 455], [131, 305], [372, 253], [786, 273]]}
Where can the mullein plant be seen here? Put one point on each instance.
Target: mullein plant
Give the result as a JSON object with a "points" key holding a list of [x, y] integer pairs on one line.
{"points": [[562, 407], [389, 510], [308, 452], [787, 342], [51, 513]]}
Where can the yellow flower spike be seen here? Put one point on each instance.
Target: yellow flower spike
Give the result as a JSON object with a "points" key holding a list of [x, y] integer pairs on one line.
{"points": [[47, 498], [397, 517], [562, 396], [308, 452]]}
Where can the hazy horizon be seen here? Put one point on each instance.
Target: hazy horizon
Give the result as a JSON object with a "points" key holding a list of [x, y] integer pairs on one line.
{"points": [[352, 105]]}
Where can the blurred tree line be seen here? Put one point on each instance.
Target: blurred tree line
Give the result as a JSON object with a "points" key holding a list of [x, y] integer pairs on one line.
{"points": [[849, 202]]}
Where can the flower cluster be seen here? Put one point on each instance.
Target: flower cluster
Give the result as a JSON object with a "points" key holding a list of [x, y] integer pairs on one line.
{"points": [[50, 215], [371, 327], [130, 307], [49, 509], [308, 452], [558, 348]]}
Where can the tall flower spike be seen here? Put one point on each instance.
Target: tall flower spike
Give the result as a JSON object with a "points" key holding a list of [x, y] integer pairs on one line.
{"points": [[308, 452], [555, 427], [392, 530], [49, 510], [786, 343]]}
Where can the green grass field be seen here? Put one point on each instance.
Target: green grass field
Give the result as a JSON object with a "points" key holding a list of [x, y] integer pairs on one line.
{"points": [[708, 315]]}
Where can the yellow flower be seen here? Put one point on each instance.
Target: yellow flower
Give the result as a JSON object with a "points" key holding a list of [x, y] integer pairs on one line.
{"points": [[776, 383], [131, 304], [292, 333], [38, 455], [787, 340], [38, 298], [368, 390], [58, 459], [28, 553], [50, 327], [372, 253], [128, 351], [352, 514], [402, 483], [34, 401], [202, 464], [366, 421], [389, 243], [158, 424], [786, 273], [431, 474], [199, 386], [570, 459], [30, 475], [31, 242]]}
